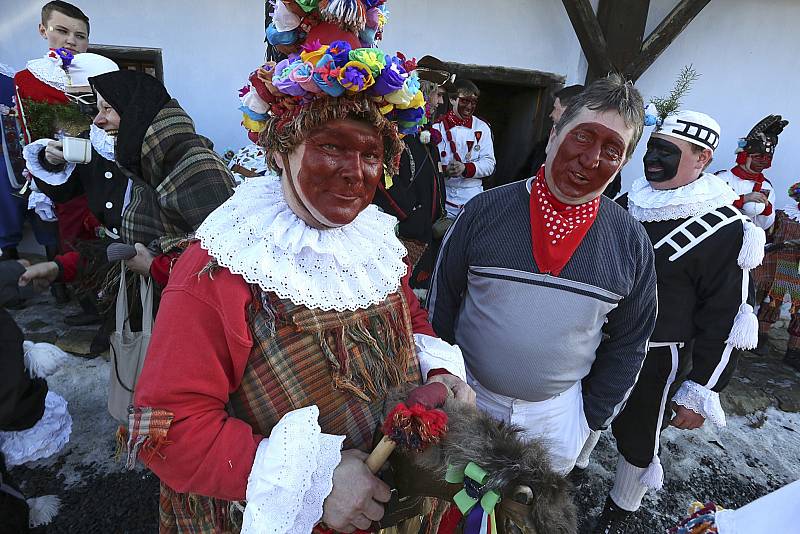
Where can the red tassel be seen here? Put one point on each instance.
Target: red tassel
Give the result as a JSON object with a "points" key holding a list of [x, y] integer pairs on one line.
{"points": [[450, 521]]}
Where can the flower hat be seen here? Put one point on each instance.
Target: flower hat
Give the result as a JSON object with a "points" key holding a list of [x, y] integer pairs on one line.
{"points": [[332, 68]]}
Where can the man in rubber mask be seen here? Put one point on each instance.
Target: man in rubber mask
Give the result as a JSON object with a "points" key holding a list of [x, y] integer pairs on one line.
{"points": [[704, 249]]}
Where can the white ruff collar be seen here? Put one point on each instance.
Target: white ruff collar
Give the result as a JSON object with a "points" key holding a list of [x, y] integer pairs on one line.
{"points": [[706, 193], [256, 235], [48, 70], [792, 212]]}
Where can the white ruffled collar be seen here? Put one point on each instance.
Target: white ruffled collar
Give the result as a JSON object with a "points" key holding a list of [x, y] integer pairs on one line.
{"points": [[706, 193], [792, 211], [49, 70], [256, 235]]}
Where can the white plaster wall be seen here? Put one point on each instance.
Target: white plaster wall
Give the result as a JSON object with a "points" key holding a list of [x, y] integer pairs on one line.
{"points": [[529, 34], [208, 49], [747, 53]]}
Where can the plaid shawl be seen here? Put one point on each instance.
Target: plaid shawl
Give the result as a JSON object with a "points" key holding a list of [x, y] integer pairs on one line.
{"points": [[346, 363], [182, 181]]}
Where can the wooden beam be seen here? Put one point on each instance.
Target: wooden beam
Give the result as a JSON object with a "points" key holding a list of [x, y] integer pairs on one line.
{"points": [[506, 75], [622, 23], [589, 34], [666, 32]]}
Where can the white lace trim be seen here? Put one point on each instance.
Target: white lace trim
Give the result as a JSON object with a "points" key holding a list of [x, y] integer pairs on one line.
{"points": [[47, 437], [435, 353], [256, 234], [292, 475], [708, 192], [792, 212], [31, 155], [49, 70], [701, 401]]}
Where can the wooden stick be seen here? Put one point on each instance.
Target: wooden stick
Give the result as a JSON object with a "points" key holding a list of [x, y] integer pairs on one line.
{"points": [[380, 454]]}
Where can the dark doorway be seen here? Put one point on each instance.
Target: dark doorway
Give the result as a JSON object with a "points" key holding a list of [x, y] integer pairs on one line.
{"points": [[516, 103]]}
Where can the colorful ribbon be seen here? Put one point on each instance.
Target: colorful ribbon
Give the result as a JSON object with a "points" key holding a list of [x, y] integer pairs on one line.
{"points": [[479, 520]]}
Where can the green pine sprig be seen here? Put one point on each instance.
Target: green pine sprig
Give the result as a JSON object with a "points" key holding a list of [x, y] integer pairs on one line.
{"points": [[672, 102]]}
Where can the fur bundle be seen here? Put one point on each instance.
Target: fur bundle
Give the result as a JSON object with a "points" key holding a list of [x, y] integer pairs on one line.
{"points": [[511, 461]]}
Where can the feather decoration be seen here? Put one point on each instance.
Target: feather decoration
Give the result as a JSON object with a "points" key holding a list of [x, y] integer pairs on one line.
{"points": [[672, 102]]}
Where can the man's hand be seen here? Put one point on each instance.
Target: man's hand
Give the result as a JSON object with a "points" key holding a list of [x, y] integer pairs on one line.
{"points": [[54, 153], [686, 419], [41, 274], [140, 263], [756, 196], [355, 501], [455, 168], [460, 389]]}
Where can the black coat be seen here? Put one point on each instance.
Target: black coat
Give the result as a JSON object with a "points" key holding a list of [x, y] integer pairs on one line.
{"points": [[21, 397], [416, 200], [103, 183]]}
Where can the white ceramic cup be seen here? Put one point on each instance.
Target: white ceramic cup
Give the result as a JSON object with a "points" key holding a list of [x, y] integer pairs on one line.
{"points": [[77, 149]]}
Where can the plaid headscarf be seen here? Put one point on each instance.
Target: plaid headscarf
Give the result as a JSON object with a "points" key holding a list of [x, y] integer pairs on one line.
{"points": [[182, 181]]}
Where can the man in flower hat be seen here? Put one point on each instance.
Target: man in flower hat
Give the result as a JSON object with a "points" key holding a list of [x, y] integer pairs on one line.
{"points": [[284, 329]]}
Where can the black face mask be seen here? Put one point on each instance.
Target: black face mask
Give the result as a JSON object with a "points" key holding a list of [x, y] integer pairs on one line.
{"points": [[663, 154]]}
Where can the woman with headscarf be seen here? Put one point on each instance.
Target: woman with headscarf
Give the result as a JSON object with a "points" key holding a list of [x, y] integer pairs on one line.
{"points": [[172, 177], [285, 328]]}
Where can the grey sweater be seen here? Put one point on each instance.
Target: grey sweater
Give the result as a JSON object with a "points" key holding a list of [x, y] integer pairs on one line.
{"points": [[531, 336]]}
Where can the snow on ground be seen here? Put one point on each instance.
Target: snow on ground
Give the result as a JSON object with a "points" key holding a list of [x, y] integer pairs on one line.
{"points": [[752, 456]]}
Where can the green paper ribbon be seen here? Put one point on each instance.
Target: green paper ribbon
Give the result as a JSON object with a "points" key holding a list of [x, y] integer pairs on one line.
{"points": [[462, 499]]}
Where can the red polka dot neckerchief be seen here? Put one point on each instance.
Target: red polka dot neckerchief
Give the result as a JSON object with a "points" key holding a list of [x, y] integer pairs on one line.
{"points": [[556, 228]]}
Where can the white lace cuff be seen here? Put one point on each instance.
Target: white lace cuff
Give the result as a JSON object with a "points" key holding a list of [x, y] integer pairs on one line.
{"points": [[31, 155], [701, 401], [434, 353], [292, 475], [47, 437]]}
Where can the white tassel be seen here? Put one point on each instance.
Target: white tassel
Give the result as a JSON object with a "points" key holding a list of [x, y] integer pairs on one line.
{"points": [[653, 477], [42, 359], [346, 12], [744, 332], [42, 510], [752, 252]]}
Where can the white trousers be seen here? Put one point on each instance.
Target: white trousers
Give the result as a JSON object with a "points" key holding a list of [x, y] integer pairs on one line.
{"points": [[458, 196], [559, 422]]}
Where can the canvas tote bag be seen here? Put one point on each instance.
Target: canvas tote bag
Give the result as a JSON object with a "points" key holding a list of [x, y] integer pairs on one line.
{"points": [[128, 349]]}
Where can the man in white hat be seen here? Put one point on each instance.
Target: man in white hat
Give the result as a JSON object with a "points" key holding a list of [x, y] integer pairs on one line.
{"points": [[704, 249]]}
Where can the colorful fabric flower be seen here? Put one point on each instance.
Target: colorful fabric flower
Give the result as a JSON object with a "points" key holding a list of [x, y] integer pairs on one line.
{"points": [[373, 58], [414, 115], [307, 5], [417, 102], [302, 74], [283, 82], [252, 125], [252, 115], [355, 76], [254, 102], [313, 55], [326, 75], [277, 38], [283, 18], [66, 56], [367, 36], [340, 51], [403, 96], [391, 78], [373, 18]]}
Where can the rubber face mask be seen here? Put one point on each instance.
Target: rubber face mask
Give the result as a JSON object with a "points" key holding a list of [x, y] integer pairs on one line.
{"points": [[661, 160]]}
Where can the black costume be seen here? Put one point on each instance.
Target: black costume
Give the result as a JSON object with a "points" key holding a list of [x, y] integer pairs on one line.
{"points": [[416, 198], [704, 249]]}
